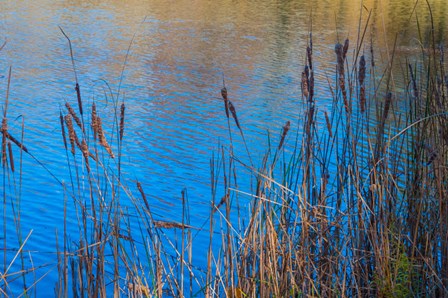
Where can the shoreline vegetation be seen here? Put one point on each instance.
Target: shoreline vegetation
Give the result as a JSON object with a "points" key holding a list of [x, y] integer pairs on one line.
{"points": [[354, 205]]}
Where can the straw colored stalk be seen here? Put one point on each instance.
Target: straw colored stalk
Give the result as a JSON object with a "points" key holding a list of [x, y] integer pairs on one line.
{"points": [[362, 87]]}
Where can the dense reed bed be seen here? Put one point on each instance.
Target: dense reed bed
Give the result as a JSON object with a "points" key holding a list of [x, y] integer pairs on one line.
{"points": [[346, 202]]}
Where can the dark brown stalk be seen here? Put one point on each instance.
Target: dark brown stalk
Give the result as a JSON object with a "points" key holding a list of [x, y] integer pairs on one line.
{"points": [[142, 193]]}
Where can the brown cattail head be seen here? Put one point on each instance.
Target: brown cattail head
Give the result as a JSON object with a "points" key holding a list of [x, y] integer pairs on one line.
{"points": [[233, 111], [309, 54], [78, 95], [345, 49], [170, 225], [122, 109], [387, 104], [327, 120], [226, 100], [304, 84], [340, 57], [72, 112], [11, 158], [361, 78], [4, 133], [102, 138], [86, 154], [94, 122], [285, 130], [71, 132], [64, 138]]}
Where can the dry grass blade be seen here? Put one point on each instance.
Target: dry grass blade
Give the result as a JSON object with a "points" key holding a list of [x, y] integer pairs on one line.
{"points": [[142, 193]]}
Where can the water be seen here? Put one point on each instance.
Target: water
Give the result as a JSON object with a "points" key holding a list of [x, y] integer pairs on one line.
{"points": [[180, 51]]}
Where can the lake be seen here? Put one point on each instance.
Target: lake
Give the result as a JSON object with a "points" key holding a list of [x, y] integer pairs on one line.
{"points": [[167, 61]]}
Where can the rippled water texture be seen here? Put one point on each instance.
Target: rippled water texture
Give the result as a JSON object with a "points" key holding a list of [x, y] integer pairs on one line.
{"points": [[179, 54]]}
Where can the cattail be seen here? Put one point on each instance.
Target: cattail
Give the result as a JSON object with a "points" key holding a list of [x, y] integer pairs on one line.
{"points": [[226, 100], [345, 49], [85, 152], [142, 193], [102, 138], [14, 140], [327, 120], [311, 86], [305, 91], [122, 120], [309, 54], [11, 159], [387, 104], [361, 78], [61, 118], [72, 112], [233, 111], [5, 131], [170, 225], [71, 132], [223, 201], [94, 122], [414, 83], [78, 95], [285, 130], [340, 50]]}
